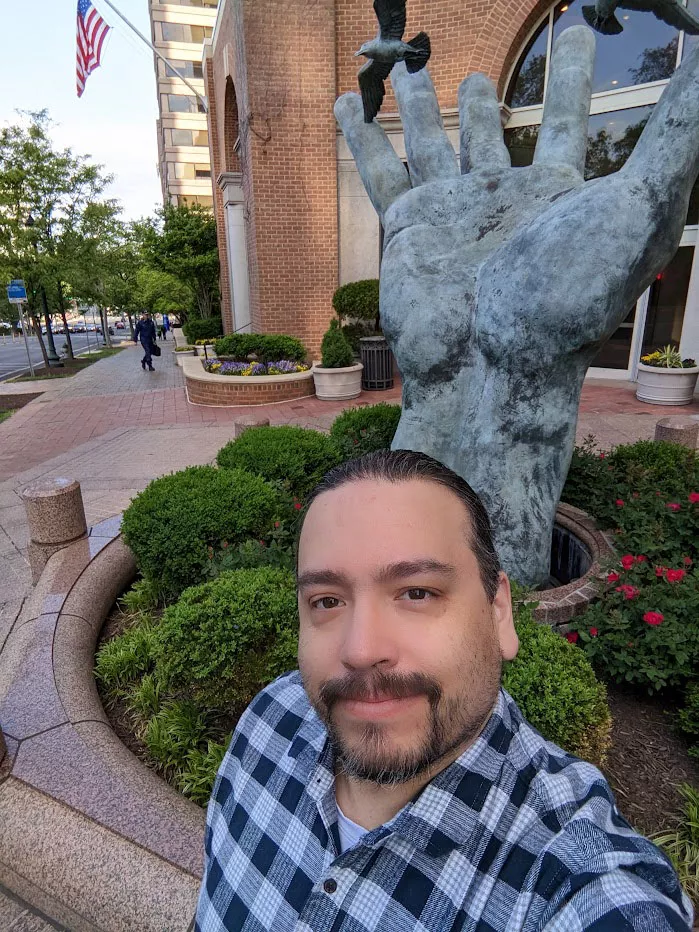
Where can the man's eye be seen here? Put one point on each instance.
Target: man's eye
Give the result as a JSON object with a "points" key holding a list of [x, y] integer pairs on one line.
{"points": [[327, 602], [417, 595]]}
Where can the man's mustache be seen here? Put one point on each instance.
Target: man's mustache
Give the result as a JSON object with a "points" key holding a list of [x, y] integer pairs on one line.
{"points": [[379, 685]]}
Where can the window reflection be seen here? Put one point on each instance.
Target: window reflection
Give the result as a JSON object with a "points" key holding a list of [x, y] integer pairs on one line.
{"points": [[521, 142], [666, 303], [611, 138], [690, 42], [527, 82], [645, 51]]}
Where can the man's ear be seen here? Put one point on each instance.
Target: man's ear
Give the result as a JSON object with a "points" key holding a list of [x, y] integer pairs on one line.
{"points": [[503, 619]]}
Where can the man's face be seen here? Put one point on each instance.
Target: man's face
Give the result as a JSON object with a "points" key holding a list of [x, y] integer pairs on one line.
{"points": [[400, 649]]}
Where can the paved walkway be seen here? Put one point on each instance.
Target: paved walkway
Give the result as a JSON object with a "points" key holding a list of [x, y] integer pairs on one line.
{"points": [[115, 428]]}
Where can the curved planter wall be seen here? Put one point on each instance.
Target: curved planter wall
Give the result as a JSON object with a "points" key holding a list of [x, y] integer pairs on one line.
{"points": [[89, 834], [207, 388]]}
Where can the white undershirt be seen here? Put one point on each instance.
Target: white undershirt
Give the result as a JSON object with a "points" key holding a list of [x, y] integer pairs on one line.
{"points": [[350, 832]]}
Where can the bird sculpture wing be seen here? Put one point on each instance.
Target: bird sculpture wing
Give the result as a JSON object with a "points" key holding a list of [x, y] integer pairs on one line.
{"points": [[669, 11], [371, 79], [391, 17]]}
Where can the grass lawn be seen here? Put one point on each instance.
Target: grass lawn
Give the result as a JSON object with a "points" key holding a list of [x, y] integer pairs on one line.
{"points": [[4, 415], [70, 366]]}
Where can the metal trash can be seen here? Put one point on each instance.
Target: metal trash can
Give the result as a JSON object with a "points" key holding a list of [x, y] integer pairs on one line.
{"points": [[377, 360]]}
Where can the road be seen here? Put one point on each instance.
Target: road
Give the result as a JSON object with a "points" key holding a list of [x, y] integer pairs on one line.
{"points": [[13, 355]]}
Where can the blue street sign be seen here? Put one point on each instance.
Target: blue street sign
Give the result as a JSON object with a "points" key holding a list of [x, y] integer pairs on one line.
{"points": [[16, 292]]}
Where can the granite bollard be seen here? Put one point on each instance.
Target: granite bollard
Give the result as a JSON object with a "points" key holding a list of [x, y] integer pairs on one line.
{"points": [[681, 430], [56, 518]]}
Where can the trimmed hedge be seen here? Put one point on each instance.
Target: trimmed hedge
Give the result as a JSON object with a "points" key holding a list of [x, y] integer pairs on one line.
{"points": [[335, 349], [265, 346], [202, 328], [226, 639], [170, 525], [557, 690], [295, 457], [363, 430], [358, 300]]}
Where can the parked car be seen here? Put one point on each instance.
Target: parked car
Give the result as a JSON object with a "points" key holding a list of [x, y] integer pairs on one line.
{"points": [[120, 325]]}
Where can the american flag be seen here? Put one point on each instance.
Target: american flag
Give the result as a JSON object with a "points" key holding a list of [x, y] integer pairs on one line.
{"points": [[92, 31]]}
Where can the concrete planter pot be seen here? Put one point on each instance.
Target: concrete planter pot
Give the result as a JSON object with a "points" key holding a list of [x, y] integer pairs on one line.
{"points": [[210, 351], [658, 386], [338, 384]]}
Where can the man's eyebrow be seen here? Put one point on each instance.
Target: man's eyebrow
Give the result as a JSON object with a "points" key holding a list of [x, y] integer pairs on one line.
{"points": [[321, 578], [393, 572]]}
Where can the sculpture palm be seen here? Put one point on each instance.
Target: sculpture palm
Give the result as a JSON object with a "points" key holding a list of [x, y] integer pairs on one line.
{"points": [[499, 285]]}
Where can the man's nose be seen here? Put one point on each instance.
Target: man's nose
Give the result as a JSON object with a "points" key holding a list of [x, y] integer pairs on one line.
{"points": [[368, 638]]}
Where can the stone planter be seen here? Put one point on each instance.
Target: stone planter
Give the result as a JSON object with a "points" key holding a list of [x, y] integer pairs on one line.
{"points": [[180, 357], [658, 386], [338, 384], [208, 388], [210, 351]]}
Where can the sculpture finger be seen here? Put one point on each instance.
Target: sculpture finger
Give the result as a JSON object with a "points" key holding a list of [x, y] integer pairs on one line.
{"points": [[563, 134], [482, 141], [382, 172], [431, 156]]}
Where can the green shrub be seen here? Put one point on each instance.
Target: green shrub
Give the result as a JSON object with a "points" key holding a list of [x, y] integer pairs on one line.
{"points": [[145, 698], [170, 525], [682, 844], [196, 777], [294, 456], [644, 629], [202, 328], [335, 351], [173, 732], [362, 430], [355, 332], [358, 301], [224, 640], [141, 597], [126, 657], [557, 691], [265, 346], [689, 718]]}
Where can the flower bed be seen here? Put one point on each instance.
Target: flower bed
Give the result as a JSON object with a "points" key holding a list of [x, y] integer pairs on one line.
{"points": [[211, 388], [246, 369]]}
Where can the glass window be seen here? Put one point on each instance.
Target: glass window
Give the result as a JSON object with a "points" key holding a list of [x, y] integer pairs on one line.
{"points": [[645, 51], [690, 42], [202, 171], [183, 103], [666, 303], [200, 137], [521, 142], [611, 138], [527, 82], [179, 32], [189, 69], [206, 3], [186, 137], [616, 351]]}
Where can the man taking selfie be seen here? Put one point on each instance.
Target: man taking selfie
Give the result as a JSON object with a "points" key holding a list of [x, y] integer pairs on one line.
{"points": [[391, 784]]}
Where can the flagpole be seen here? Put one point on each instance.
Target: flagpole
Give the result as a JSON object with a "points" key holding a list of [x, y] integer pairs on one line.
{"points": [[156, 52]]}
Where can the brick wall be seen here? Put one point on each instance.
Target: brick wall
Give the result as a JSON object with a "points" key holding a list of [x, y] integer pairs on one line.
{"points": [[228, 392]]}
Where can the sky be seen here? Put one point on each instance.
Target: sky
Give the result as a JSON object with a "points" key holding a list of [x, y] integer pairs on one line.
{"points": [[114, 120]]}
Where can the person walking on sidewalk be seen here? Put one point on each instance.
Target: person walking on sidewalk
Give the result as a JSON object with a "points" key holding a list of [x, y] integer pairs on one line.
{"points": [[166, 325], [145, 332]]}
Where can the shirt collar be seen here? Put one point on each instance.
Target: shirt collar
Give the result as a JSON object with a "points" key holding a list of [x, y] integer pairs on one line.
{"points": [[447, 810]]}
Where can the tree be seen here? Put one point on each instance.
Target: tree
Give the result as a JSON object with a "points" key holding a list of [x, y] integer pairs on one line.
{"points": [[182, 242], [52, 218]]}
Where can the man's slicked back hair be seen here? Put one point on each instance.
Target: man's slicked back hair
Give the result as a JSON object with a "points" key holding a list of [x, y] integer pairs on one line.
{"points": [[407, 466]]}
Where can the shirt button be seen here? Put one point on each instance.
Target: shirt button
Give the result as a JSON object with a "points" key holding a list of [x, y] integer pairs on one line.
{"points": [[330, 886]]}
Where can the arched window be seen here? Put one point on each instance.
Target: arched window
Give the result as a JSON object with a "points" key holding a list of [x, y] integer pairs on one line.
{"points": [[631, 71]]}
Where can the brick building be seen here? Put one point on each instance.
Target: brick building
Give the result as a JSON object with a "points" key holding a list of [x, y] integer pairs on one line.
{"points": [[293, 218]]}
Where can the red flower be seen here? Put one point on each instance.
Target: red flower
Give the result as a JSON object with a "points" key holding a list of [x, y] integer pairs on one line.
{"points": [[613, 577], [630, 592], [673, 506], [658, 493], [593, 632], [277, 524], [653, 618], [641, 558], [687, 561], [694, 497], [675, 575], [297, 506], [627, 561], [224, 544], [602, 455], [572, 636], [659, 571], [619, 503]]}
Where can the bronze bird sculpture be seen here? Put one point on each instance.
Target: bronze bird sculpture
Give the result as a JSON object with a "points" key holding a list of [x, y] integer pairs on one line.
{"points": [[385, 50], [601, 16]]}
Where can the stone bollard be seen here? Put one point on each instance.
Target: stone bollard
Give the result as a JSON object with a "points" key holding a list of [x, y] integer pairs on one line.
{"points": [[56, 518], [248, 420], [681, 430]]}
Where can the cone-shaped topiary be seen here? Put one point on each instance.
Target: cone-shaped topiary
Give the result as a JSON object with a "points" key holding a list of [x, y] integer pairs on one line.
{"points": [[335, 350]]}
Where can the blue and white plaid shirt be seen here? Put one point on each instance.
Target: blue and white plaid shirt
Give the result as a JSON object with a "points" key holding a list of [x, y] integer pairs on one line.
{"points": [[514, 835]]}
